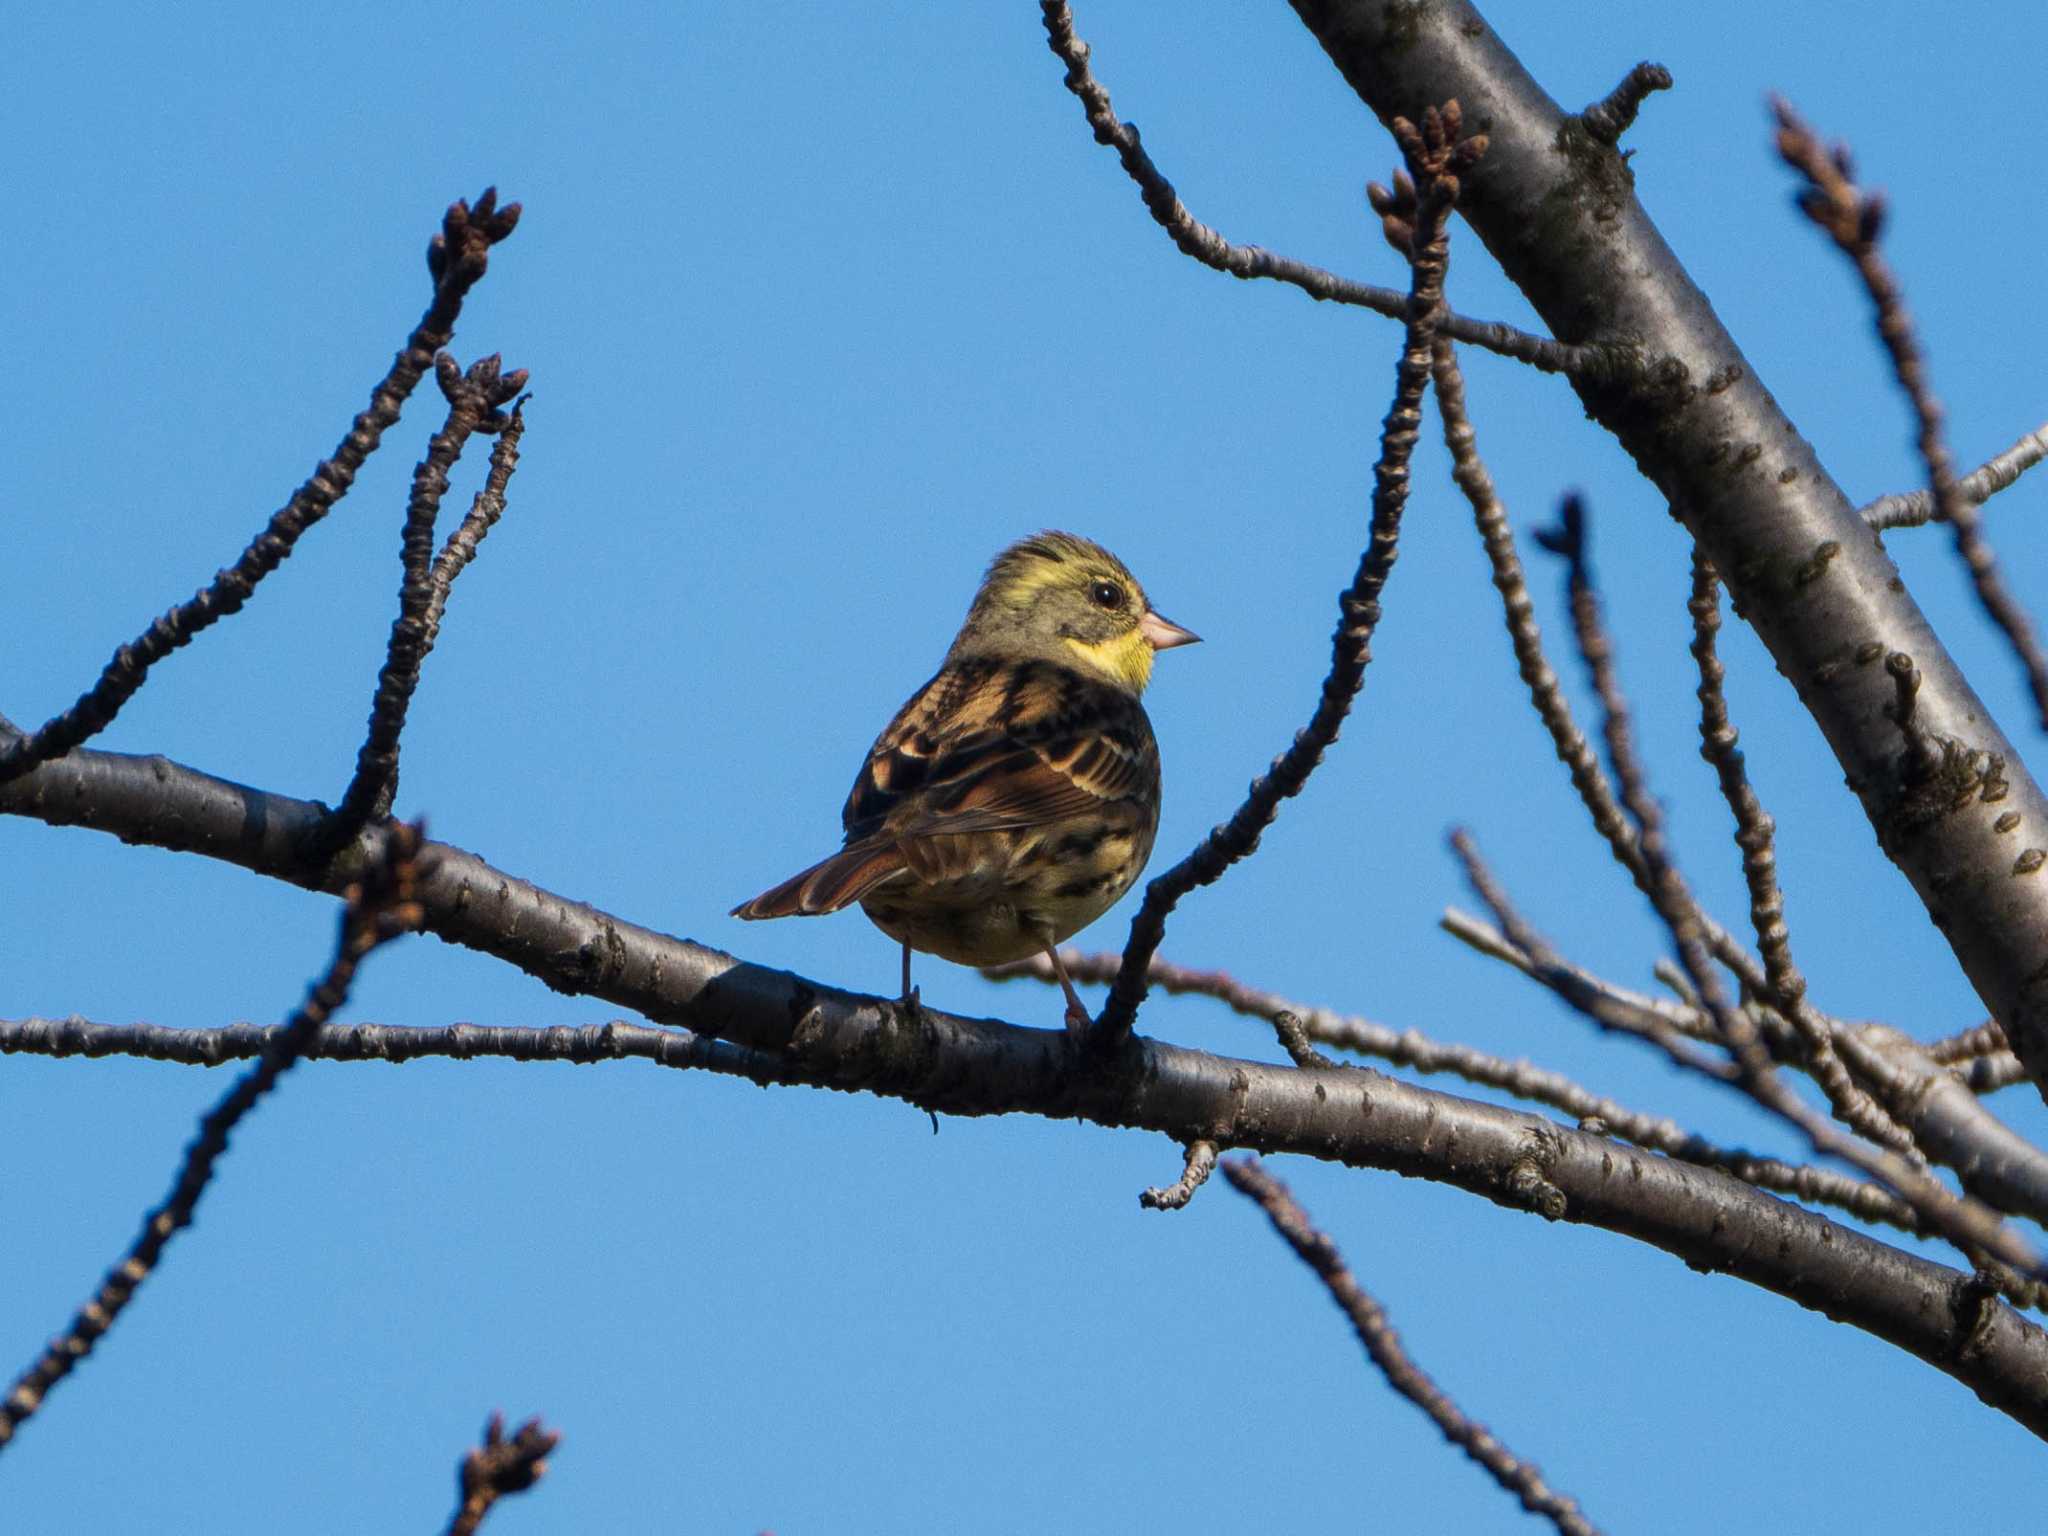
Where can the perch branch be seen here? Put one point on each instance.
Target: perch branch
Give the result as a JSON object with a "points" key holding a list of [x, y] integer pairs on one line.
{"points": [[963, 1066]]}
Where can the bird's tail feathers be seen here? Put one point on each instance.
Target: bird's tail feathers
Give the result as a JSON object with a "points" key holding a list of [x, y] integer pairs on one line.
{"points": [[828, 885]]}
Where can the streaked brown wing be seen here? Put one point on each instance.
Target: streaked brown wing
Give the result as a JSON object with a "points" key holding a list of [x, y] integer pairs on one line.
{"points": [[985, 746]]}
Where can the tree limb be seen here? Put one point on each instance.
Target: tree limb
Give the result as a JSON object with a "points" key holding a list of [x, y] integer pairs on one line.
{"points": [[1557, 208], [972, 1067]]}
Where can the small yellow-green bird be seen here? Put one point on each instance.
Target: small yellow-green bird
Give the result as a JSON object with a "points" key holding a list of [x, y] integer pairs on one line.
{"points": [[1015, 797]]}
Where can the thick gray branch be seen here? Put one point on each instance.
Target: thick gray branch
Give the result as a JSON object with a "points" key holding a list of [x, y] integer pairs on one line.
{"points": [[1557, 208], [974, 1067]]}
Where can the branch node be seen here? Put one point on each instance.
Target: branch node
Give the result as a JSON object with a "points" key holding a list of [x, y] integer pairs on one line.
{"points": [[499, 1467], [1201, 1162], [1294, 1040], [1611, 116], [1528, 1187]]}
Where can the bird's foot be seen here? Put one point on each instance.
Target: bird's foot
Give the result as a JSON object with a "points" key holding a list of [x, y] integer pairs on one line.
{"points": [[911, 1006], [1079, 1020]]}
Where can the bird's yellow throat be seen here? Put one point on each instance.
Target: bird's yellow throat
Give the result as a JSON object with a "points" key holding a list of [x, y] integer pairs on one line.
{"points": [[1127, 658]]}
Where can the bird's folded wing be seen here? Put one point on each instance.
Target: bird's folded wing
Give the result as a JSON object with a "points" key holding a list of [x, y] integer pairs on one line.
{"points": [[986, 748]]}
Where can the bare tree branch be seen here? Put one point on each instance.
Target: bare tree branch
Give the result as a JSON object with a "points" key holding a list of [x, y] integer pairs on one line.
{"points": [[1557, 209], [1383, 1344], [1995, 1164], [1437, 156], [965, 1066], [1966, 1221], [1212, 250], [1911, 509], [457, 258], [382, 905], [1594, 1112], [1853, 219]]}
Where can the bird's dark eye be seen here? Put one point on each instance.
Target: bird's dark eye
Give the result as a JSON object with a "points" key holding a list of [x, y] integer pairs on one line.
{"points": [[1106, 594]]}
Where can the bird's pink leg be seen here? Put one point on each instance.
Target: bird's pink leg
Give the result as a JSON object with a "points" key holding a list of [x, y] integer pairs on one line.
{"points": [[1078, 1016]]}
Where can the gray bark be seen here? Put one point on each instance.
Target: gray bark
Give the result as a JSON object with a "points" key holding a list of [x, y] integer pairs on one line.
{"points": [[1557, 209]]}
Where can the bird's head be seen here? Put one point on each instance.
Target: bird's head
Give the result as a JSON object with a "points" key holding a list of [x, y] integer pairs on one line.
{"points": [[1063, 598]]}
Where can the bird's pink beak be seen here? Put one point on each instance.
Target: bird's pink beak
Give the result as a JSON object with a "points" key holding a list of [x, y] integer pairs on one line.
{"points": [[1164, 634]]}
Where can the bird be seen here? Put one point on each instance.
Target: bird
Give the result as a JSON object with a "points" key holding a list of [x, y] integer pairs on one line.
{"points": [[1015, 796]]}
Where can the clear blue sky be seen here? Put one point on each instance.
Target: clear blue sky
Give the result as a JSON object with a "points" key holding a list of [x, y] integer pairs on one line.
{"points": [[823, 306]]}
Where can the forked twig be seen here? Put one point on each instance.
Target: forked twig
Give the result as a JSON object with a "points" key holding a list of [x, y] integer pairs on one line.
{"points": [[456, 258], [1546, 693], [1212, 250], [473, 399]]}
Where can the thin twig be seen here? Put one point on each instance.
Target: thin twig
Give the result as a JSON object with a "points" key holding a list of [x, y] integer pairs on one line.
{"points": [[485, 509], [1995, 1164], [1967, 1222], [1853, 219], [1517, 1477], [1212, 250], [1201, 1162], [1525, 636], [1912, 509], [473, 401], [1438, 155], [1983, 1040], [614, 1040], [1611, 116], [1755, 835], [383, 905], [456, 258], [499, 1467], [1531, 953], [1682, 1017]]}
